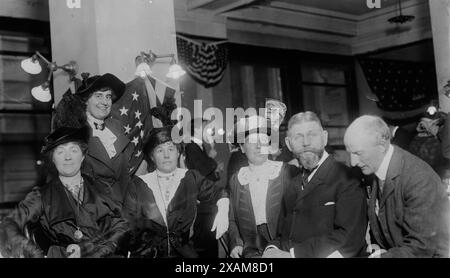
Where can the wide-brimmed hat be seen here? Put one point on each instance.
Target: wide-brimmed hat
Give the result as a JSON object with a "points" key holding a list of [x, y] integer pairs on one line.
{"points": [[64, 135], [246, 126], [97, 82]]}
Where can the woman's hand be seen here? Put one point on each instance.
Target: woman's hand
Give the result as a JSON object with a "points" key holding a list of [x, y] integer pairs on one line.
{"points": [[236, 253], [221, 221]]}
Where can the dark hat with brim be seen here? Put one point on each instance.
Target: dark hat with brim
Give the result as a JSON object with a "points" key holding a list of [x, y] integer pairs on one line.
{"points": [[64, 135], [249, 125], [157, 137], [98, 82]]}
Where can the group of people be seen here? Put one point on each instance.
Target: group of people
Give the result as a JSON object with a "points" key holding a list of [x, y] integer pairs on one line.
{"points": [[389, 203], [89, 204]]}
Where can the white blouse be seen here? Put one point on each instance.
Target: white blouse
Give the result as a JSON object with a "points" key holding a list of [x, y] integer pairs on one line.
{"points": [[258, 177], [164, 187]]}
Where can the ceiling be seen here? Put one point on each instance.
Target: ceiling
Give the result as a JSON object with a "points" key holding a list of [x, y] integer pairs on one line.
{"points": [[351, 7], [418, 52], [354, 7]]}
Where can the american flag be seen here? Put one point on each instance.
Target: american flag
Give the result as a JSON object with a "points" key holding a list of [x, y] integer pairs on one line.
{"points": [[399, 85], [134, 109]]}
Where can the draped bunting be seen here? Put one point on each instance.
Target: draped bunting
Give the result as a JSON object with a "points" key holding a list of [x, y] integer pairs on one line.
{"points": [[400, 86], [204, 62]]}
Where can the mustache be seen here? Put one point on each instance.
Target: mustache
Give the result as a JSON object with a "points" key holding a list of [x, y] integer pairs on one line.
{"points": [[312, 150]]}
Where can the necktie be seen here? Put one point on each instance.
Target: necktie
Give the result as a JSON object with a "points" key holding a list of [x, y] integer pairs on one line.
{"points": [[380, 186], [305, 175], [99, 126], [379, 194]]}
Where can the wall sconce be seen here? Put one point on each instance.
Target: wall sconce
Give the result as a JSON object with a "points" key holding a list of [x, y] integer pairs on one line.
{"points": [[145, 61], [32, 66]]}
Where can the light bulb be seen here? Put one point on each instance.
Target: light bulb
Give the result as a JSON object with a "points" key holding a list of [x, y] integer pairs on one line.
{"points": [[142, 70], [432, 110], [42, 93], [31, 66], [175, 72]]}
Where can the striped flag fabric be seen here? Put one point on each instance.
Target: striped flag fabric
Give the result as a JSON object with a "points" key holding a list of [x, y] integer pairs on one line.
{"points": [[205, 62]]}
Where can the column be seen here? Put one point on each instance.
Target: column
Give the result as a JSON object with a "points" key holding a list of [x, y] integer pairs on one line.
{"points": [[440, 21], [106, 35]]}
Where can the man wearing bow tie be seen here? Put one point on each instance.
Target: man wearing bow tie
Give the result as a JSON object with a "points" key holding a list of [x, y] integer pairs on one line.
{"points": [[108, 155], [323, 211]]}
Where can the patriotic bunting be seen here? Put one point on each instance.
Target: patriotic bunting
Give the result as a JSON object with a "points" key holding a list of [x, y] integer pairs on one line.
{"points": [[204, 62], [400, 86]]}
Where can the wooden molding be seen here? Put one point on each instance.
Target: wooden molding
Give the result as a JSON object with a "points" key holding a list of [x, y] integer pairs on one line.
{"points": [[312, 26], [375, 32], [29, 9], [297, 20], [218, 6]]}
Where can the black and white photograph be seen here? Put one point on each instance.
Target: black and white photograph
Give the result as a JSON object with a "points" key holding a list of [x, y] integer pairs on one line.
{"points": [[233, 132]]}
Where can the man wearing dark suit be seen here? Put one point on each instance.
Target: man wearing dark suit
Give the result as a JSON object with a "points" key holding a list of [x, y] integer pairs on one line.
{"points": [[408, 205], [200, 156], [108, 157], [323, 211], [401, 137]]}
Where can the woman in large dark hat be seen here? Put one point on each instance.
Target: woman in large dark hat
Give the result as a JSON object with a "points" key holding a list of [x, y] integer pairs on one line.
{"points": [[107, 159], [161, 205], [68, 216]]}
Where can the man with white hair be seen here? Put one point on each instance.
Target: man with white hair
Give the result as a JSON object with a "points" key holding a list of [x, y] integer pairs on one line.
{"points": [[408, 205]]}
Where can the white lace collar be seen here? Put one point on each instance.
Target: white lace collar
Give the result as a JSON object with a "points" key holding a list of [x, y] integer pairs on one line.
{"points": [[271, 171]]}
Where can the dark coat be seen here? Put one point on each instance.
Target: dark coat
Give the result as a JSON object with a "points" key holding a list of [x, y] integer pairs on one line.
{"points": [[198, 159], [242, 230], [444, 136], [413, 218], [329, 214], [402, 138], [113, 174], [204, 240], [54, 214], [150, 233], [236, 161]]}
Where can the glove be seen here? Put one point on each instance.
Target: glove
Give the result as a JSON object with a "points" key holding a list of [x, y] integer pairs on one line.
{"points": [[220, 224]]}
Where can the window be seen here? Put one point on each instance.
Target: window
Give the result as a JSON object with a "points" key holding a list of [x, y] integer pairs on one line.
{"points": [[253, 84], [24, 122], [320, 83], [325, 91]]}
